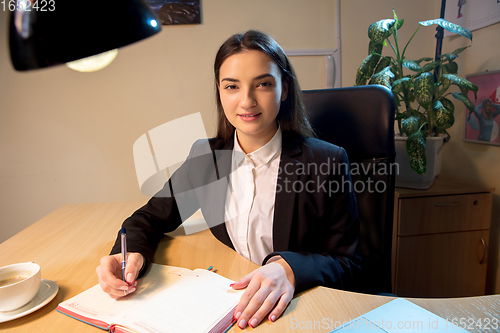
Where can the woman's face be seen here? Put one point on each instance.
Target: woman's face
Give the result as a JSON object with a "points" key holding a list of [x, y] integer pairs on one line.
{"points": [[251, 92], [487, 107]]}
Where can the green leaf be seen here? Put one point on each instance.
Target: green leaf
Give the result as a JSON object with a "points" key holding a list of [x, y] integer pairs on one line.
{"points": [[464, 90], [384, 77], [362, 74], [457, 51], [375, 47], [424, 89], [442, 116], [396, 91], [383, 63], [448, 56], [410, 125], [423, 59], [451, 67], [398, 86], [463, 98], [446, 83], [462, 83], [399, 24], [380, 30], [365, 70], [415, 146], [399, 81], [448, 104], [451, 27], [448, 136], [453, 55], [430, 66], [400, 116], [411, 64]]}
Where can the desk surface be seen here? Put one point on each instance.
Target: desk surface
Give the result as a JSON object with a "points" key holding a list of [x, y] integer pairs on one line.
{"points": [[69, 242]]}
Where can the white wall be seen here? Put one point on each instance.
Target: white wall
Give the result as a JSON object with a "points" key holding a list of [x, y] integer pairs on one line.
{"points": [[357, 15], [66, 137]]}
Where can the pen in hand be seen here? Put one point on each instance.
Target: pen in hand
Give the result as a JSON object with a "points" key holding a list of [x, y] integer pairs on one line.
{"points": [[124, 254]]}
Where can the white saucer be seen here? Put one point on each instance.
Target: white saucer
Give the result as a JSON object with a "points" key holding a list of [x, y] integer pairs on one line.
{"points": [[48, 290]]}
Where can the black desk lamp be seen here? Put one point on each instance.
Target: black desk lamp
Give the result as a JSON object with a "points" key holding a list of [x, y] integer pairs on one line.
{"points": [[57, 32]]}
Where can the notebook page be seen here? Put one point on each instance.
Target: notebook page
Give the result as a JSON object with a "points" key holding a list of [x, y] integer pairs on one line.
{"points": [[96, 304], [194, 304]]}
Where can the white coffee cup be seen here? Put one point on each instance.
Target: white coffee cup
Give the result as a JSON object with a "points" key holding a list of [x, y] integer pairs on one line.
{"points": [[19, 283]]}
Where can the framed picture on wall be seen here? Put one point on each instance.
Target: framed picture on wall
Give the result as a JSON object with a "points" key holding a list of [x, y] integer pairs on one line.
{"points": [[173, 12], [483, 125]]}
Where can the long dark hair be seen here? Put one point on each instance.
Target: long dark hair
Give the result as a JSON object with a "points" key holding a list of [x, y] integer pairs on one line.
{"points": [[292, 116]]}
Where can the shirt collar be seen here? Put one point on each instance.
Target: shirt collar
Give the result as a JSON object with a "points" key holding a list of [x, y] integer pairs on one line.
{"points": [[261, 156]]}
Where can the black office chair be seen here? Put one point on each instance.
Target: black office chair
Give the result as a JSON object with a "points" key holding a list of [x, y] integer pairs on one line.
{"points": [[361, 120]]}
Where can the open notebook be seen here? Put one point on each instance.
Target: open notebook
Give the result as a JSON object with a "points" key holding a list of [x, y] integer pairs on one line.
{"points": [[167, 299]]}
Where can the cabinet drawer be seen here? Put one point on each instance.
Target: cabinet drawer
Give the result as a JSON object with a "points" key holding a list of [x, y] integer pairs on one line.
{"points": [[428, 215], [442, 265]]}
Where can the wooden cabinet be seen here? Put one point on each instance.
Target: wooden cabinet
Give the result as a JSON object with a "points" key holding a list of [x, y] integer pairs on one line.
{"points": [[440, 239]]}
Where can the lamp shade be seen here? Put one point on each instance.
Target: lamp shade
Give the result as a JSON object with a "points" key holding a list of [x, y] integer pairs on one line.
{"points": [[70, 30]]}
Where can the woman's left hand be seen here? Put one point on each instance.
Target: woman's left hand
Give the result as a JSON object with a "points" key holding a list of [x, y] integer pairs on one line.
{"points": [[270, 287]]}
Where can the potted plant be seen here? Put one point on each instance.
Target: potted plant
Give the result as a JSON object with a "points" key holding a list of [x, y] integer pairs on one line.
{"points": [[425, 111]]}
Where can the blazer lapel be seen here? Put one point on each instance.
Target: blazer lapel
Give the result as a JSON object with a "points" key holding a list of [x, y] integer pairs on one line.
{"points": [[217, 193], [285, 195]]}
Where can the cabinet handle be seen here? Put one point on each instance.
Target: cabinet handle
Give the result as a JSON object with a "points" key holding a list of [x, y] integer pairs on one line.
{"points": [[484, 251], [447, 205]]}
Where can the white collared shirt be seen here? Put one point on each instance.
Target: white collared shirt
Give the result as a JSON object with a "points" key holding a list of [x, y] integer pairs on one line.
{"points": [[250, 198]]}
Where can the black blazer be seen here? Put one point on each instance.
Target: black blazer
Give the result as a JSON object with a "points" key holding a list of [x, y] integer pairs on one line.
{"points": [[315, 227]]}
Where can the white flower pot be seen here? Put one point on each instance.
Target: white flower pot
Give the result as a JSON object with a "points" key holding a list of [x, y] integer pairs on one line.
{"points": [[407, 177]]}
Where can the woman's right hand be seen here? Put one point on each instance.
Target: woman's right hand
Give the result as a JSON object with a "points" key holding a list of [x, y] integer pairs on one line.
{"points": [[109, 273]]}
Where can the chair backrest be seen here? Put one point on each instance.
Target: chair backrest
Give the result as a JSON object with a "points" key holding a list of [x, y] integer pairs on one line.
{"points": [[361, 120]]}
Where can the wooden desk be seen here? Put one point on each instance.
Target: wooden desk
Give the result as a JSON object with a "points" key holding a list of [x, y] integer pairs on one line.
{"points": [[69, 242]]}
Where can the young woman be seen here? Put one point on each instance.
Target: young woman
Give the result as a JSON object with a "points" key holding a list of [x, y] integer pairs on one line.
{"points": [[286, 198], [486, 119]]}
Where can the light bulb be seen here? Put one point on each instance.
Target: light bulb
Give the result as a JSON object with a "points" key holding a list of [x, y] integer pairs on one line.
{"points": [[93, 63]]}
